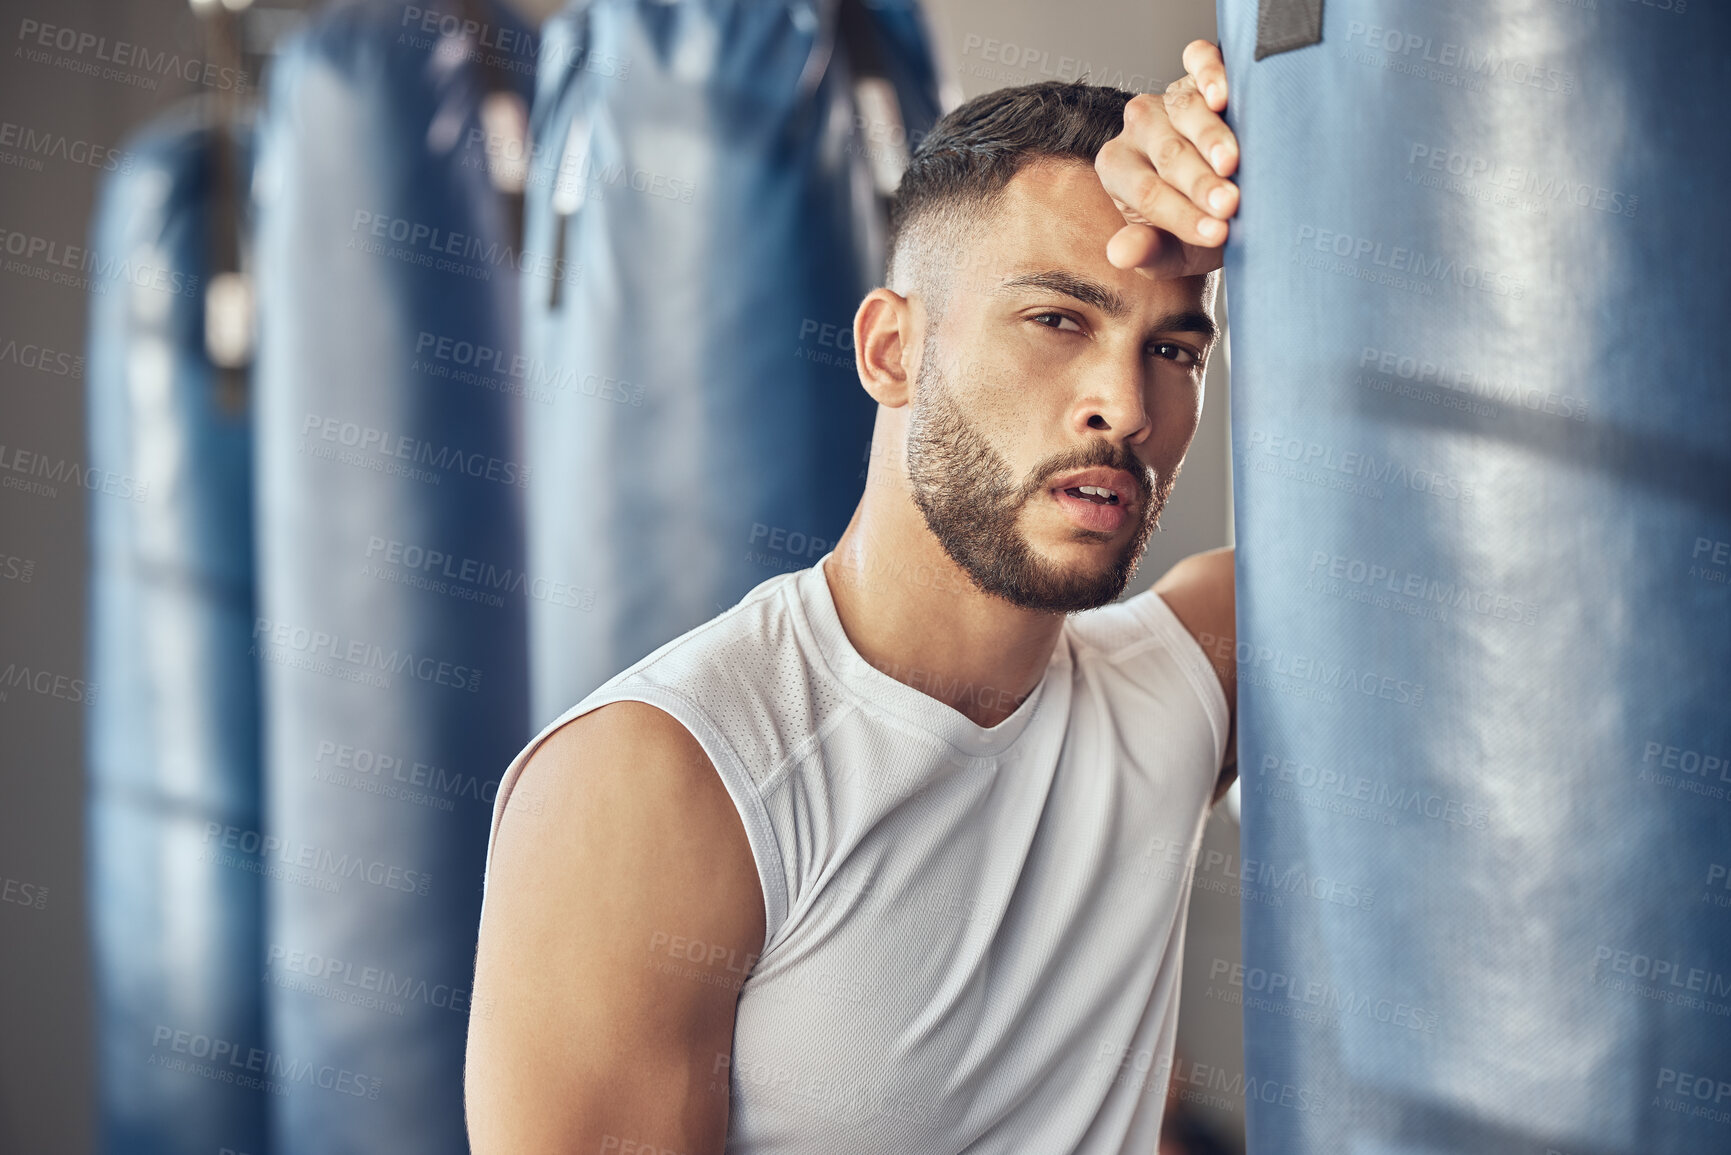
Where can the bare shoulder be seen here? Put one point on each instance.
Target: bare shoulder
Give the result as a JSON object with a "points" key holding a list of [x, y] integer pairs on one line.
{"points": [[618, 847], [619, 759], [627, 783], [1199, 590]]}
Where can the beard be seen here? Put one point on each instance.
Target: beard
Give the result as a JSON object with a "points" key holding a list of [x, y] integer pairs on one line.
{"points": [[971, 503]]}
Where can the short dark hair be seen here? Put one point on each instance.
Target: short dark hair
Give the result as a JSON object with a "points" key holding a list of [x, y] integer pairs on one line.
{"points": [[962, 166]]}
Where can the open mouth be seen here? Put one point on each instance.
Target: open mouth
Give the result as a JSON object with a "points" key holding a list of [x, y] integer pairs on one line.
{"points": [[1092, 507], [1093, 493]]}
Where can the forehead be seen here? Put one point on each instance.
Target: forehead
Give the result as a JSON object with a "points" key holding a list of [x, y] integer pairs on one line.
{"points": [[1054, 215]]}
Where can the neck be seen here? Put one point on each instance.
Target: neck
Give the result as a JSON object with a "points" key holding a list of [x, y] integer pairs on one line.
{"points": [[915, 615]]}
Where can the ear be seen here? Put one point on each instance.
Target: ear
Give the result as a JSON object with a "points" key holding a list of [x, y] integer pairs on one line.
{"points": [[883, 346]]}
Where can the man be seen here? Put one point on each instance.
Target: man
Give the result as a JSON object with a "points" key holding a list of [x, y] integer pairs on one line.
{"points": [[893, 856]]}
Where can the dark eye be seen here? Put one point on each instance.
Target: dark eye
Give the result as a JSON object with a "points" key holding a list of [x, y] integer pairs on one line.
{"points": [[1056, 321], [1175, 353]]}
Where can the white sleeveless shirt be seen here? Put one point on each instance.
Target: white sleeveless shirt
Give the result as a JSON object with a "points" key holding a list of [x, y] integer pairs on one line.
{"points": [[973, 934]]}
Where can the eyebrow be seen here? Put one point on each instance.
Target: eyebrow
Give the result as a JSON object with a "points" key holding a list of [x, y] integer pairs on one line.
{"points": [[1109, 302], [1082, 289], [1189, 321]]}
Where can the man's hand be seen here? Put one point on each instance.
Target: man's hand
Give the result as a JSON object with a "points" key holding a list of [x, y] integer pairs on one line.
{"points": [[1175, 202]]}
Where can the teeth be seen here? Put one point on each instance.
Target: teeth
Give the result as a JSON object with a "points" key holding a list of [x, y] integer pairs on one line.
{"points": [[1099, 489]]}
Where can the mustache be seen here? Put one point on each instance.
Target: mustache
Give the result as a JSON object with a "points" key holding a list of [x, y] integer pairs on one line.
{"points": [[1146, 482]]}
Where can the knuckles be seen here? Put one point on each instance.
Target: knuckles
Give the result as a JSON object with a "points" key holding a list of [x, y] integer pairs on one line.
{"points": [[1168, 151], [1181, 94], [1142, 109], [1147, 189], [1111, 162]]}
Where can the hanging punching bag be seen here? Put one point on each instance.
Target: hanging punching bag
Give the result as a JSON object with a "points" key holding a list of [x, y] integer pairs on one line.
{"points": [[707, 176], [391, 623], [1479, 308], [172, 745]]}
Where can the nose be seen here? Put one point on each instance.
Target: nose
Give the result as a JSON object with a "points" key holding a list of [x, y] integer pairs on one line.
{"points": [[1116, 404]]}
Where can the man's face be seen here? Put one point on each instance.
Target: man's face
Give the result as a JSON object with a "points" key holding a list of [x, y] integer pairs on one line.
{"points": [[1048, 361]]}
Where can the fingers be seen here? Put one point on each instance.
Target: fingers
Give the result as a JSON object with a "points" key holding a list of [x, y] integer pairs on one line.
{"points": [[1209, 137], [1173, 211], [1157, 254], [1165, 171], [1154, 174], [1146, 198], [1133, 246], [1202, 60]]}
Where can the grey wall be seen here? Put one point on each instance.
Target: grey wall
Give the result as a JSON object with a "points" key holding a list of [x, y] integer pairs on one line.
{"points": [[45, 1068]]}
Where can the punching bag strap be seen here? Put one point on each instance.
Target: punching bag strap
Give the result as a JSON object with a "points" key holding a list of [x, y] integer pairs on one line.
{"points": [[228, 302], [570, 190], [875, 98], [859, 37], [504, 118], [571, 174]]}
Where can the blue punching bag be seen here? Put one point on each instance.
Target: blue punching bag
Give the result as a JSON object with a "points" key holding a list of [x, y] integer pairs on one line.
{"points": [[1479, 329], [391, 621], [172, 745], [706, 178]]}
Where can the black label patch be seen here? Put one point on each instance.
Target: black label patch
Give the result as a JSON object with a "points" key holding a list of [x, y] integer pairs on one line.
{"points": [[1282, 25]]}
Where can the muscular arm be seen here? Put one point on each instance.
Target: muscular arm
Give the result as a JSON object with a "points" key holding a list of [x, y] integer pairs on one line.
{"points": [[623, 911], [1199, 589]]}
